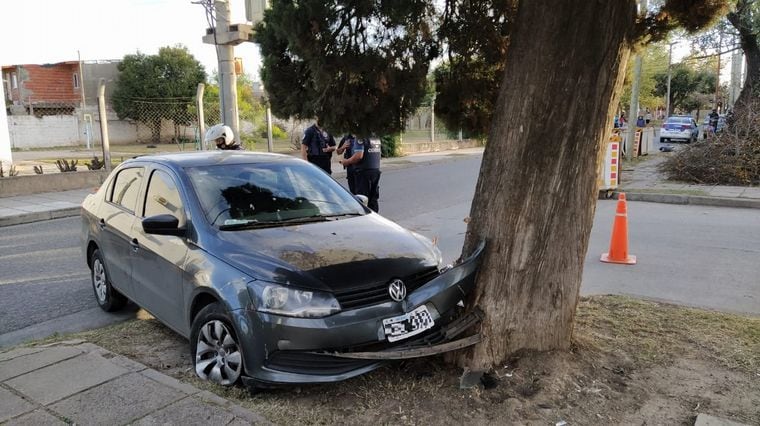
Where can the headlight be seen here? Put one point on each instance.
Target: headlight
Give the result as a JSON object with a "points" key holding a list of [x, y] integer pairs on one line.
{"points": [[280, 300]]}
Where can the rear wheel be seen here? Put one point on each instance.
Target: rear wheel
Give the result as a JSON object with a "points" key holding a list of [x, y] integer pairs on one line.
{"points": [[108, 298], [217, 355]]}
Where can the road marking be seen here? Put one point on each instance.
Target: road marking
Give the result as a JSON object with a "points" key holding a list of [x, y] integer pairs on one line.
{"points": [[46, 253], [57, 278]]}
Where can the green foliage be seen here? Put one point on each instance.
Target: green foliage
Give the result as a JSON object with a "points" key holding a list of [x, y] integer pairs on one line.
{"points": [[686, 84], [277, 131], [467, 84], [156, 87], [66, 166], [250, 108], [654, 62], [390, 146], [358, 65]]}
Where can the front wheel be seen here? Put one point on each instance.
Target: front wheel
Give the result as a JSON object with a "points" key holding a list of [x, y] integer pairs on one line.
{"points": [[108, 298], [217, 356]]}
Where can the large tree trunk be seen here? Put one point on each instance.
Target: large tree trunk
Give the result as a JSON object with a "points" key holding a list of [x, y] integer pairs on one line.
{"points": [[742, 21], [536, 194]]}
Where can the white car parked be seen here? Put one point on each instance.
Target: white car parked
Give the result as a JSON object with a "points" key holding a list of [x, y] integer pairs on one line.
{"points": [[679, 128]]}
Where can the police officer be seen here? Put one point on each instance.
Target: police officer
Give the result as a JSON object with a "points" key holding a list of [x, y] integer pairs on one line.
{"points": [[366, 162], [221, 136], [317, 147], [345, 147]]}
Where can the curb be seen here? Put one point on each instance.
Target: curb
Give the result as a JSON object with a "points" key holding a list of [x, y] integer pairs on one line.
{"points": [[698, 200], [39, 216]]}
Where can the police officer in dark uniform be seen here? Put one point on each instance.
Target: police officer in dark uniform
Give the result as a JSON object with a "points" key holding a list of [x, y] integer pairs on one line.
{"points": [[345, 147], [366, 162], [317, 147]]}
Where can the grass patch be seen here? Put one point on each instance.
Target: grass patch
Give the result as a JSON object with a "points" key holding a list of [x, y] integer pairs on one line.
{"points": [[626, 353]]}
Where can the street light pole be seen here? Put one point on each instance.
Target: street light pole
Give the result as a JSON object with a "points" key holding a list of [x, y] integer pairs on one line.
{"points": [[667, 99]]}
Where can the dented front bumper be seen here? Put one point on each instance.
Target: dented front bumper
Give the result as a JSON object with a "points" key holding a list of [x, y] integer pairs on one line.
{"points": [[282, 349]]}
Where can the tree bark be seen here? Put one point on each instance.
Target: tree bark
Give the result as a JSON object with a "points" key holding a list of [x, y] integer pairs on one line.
{"points": [[536, 194], [742, 21]]}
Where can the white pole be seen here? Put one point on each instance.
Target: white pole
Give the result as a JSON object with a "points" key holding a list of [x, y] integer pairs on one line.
{"points": [[270, 142], [104, 124], [6, 155], [227, 77], [201, 118], [667, 99]]}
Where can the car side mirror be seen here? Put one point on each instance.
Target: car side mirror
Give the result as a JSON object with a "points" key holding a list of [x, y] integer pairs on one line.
{"points": [[362, 199], [162, 224]]}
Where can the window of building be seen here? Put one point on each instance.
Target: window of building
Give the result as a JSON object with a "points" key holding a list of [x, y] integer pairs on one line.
{"points": [[126, 188], [163, 197], [14, 81], [76, 80]]}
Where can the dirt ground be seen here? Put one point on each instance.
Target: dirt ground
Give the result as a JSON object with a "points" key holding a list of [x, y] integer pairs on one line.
{"points": [[632, 362]]}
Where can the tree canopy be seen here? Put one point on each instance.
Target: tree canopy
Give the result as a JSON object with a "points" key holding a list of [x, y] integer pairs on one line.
{"points": [[358, 65], [467, 83], [687, 83], [155, 87]]}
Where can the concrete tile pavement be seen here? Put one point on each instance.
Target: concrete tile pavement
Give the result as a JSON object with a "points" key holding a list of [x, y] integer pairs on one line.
{"points": [[76, 382]]}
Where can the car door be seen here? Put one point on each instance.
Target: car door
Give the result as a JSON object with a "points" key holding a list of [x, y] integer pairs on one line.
{"points": [[116, 218], [158, 259]]}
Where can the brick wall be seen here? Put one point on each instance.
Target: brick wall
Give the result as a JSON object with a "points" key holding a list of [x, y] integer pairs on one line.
{"points": [[50, 83]]}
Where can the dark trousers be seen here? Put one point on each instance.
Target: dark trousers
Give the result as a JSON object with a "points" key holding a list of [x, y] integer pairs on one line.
{"points": [[368, 184], [321, 161], [351, 178]]}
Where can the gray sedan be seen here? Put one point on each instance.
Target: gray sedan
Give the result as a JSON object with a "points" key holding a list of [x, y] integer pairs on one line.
{"points": [[272, 270]]}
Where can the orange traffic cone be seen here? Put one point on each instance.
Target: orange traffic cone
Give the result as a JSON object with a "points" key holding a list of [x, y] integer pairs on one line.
{"points": [[619, 242]]}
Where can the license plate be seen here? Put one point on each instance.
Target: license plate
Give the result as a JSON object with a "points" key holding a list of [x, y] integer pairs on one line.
{"points": [[408, 325]]}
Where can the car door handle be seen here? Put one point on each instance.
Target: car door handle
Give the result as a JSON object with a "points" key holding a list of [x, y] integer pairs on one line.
{"points": [[102, 224], [135, 244]]}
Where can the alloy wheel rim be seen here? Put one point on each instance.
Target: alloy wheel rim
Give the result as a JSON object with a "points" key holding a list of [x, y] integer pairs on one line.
{"points": [[99, 280], [217, 354]]}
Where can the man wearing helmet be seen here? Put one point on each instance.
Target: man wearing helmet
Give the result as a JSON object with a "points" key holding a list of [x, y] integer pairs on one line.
{"points": [[221, 136]]}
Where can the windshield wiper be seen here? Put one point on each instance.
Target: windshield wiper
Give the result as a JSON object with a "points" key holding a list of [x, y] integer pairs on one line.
{"points": [[249, 224]]}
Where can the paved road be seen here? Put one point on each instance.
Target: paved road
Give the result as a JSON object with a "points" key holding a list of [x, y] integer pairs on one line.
{"points": [[700, 256]]}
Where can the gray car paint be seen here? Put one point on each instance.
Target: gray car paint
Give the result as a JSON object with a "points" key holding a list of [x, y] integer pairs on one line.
{"points": [[224, 271]]}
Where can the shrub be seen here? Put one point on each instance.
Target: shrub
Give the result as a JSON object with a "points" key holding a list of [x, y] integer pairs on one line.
{"points": [[731, 157]]}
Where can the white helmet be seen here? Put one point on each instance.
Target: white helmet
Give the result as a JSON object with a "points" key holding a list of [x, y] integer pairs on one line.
{"points": [[221, 136]]}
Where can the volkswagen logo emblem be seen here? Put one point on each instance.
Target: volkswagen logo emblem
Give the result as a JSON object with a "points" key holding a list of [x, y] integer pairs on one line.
{"points": [[397, 290]]}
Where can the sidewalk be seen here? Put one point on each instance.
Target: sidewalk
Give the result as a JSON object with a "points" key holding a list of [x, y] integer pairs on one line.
{"points": [[646, 183], [643, 183], [81, 383]]}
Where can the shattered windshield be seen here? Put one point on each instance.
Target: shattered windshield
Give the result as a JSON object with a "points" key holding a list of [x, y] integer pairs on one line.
{"points": [[236, 196]]}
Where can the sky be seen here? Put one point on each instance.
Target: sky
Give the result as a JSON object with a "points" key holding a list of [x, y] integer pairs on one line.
{"points": [[49, 31]]}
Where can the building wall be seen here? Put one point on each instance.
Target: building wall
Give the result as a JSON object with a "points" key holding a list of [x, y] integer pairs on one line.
{"points": [[50, 83], [28, 131]]}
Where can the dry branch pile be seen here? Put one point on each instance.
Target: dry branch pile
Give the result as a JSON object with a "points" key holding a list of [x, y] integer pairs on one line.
{"points": [[732, 157]]}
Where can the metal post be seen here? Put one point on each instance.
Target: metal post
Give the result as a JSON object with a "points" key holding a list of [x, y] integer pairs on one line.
{"points": [[717, 77], [81, 84], [104, 124], [667, 99], [227, 77], [432, 120], [270, 142], [634, 111], [201, 118]]}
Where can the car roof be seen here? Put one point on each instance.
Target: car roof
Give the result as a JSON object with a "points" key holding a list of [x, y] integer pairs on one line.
{"points": [[212, 158]]}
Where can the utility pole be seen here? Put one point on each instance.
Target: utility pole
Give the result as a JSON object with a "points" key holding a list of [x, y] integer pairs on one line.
{"points": [[225, 36], [104, 124], [670, 62], [736, 76], [717, 77], [634, 111]]}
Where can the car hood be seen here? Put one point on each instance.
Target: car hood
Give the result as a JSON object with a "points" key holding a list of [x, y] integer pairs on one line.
{"points": [[330, 256]]}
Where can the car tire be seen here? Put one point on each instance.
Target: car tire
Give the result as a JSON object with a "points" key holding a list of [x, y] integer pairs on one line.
{"points": [[214, 346], [108, 298]]}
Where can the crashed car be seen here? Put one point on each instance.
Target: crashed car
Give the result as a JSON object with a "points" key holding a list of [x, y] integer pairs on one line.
{"points": [[272, 270]]}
